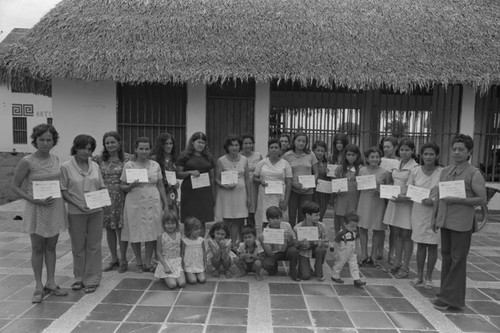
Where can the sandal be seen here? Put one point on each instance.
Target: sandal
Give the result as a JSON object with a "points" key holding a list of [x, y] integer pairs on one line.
{"points": [[140, 268], [123, 267], [378, 265], [228, 274], [401, 274], [417, 282], [428, 284], [111, 266], [57, 291], [37, 297], [394, 269], [90, 288], [77, 285], [216, 274]]}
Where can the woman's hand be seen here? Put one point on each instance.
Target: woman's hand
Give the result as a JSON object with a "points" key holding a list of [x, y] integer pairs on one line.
{"points": [[375, 192], [249, 202], [263, 183], [434, 226], [228, 186], [427, 202], [283, 205], [43, 202], [176, 185], [296, 186], [133, 185], [194, 173], [84, 208]]}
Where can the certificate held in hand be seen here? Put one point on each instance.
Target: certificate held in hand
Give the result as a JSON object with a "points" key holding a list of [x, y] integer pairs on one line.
{"points": [[136, 174], [331, 169], [324, 186], [389, 191], [366, 182], [202, 181], [97, 199], [417, 194], [274, 187], [389, 163], [339, 185], [274, 236], [229, 177], [42, 189], [307, 181], [454, 188], [307, 233], [171, 177]]}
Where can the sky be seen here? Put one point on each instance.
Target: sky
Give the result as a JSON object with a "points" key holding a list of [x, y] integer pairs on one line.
{"points": [[22, 13]]}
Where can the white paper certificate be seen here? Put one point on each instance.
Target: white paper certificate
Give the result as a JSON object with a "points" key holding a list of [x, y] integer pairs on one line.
{"points": [[417, 194], [274, 236], [97, 199], [331, 169], [136, 174], [389, 191], [229, 177], [324, 186], [366, 182], [307, 233], [339, 185], [389, 163], [171, 177], [43, 189], [202, 181], [455, 188], [307, 181], [274, 187]]}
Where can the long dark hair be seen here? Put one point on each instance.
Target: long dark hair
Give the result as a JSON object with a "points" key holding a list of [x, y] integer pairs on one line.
{"points": [[105, 152], [335, 153], [159, 155], [189, 151], [353, 148], [320, 143], [299, 134]]}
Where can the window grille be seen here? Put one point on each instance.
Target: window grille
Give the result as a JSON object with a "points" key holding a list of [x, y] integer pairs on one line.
{"points": [[20, 130]]}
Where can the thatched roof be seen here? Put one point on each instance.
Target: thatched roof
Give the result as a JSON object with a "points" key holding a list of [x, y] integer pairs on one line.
{"points": [[22, 81], [352, 43]]}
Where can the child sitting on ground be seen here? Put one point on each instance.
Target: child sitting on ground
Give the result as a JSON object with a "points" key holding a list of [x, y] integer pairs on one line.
{"points": [[276, 252], [168, 247], [219, 254], [345, 242], [311, 248], [250, 253]]}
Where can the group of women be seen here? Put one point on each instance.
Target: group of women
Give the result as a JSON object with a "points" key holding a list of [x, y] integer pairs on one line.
{"points": [[240, 186]]}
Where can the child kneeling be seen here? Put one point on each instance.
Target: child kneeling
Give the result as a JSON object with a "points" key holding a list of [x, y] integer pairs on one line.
{"points": [[220, 258], [311, 249], [168, 247], [250, 253], [345, 242]]}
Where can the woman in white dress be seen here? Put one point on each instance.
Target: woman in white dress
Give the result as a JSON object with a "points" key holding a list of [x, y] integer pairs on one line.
{"points": [[253, 159]]}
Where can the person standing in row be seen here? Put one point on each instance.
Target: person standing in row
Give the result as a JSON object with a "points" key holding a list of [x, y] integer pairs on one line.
{"points": [[193, 162], [303, 163], [111, 163], [271, 169], [144, 205], [253, 158], [233, 200], [79, 176], [44, 218], [319, 149], [455, 217], [166, 155], [284, 141]]}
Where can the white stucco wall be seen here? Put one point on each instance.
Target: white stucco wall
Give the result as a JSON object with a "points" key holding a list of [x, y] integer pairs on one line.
{"points": [[196, 115], [42, 109], [261, 126], [467, 119], [82, 108]]}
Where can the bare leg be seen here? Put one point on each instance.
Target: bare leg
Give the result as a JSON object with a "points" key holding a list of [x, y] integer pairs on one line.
{"points": [[421, 254], [50, 260], [257, 267], [38, 248], [363, 241], [407, 247], [378, 236], [338, 221], [431, 260], [149, 254], [112, 238], [398, 245], [202, 278], [136, 247]]}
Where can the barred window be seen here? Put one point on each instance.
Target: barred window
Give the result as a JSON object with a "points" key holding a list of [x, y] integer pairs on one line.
{"points": [[20, 130]]}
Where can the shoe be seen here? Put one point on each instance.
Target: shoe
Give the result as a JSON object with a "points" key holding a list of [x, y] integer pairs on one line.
{"points": [[90, 288], [295, 278], [228, 274], [77, 285], [111, 266], [123, 267], [439, 305], [339, 280], [320, 279], [148, 269], [378, 265], [140, 268], [417, 282], [428, 284], [380, 257], [401, 274], [37, 297], [368, 262], [359, 283], [57, 291], [394, 269]]}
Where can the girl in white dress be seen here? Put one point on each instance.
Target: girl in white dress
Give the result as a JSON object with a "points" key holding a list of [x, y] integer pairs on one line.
{"points": [[168, 246], [193, 251]]}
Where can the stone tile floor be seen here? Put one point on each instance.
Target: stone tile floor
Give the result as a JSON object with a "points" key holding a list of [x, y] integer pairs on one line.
{"points": [[134, 302]]}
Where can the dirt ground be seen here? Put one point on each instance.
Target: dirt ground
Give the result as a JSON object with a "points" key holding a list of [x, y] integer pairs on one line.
{"points": [[8, 164]]}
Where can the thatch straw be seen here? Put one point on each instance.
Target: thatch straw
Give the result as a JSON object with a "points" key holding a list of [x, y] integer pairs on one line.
{"points": [[358, 44]]}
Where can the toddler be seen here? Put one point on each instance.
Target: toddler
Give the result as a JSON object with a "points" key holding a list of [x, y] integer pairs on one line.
{"points": [[250, 253], [219, 255], [193, 251], [346, 249], [168, 247]]}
